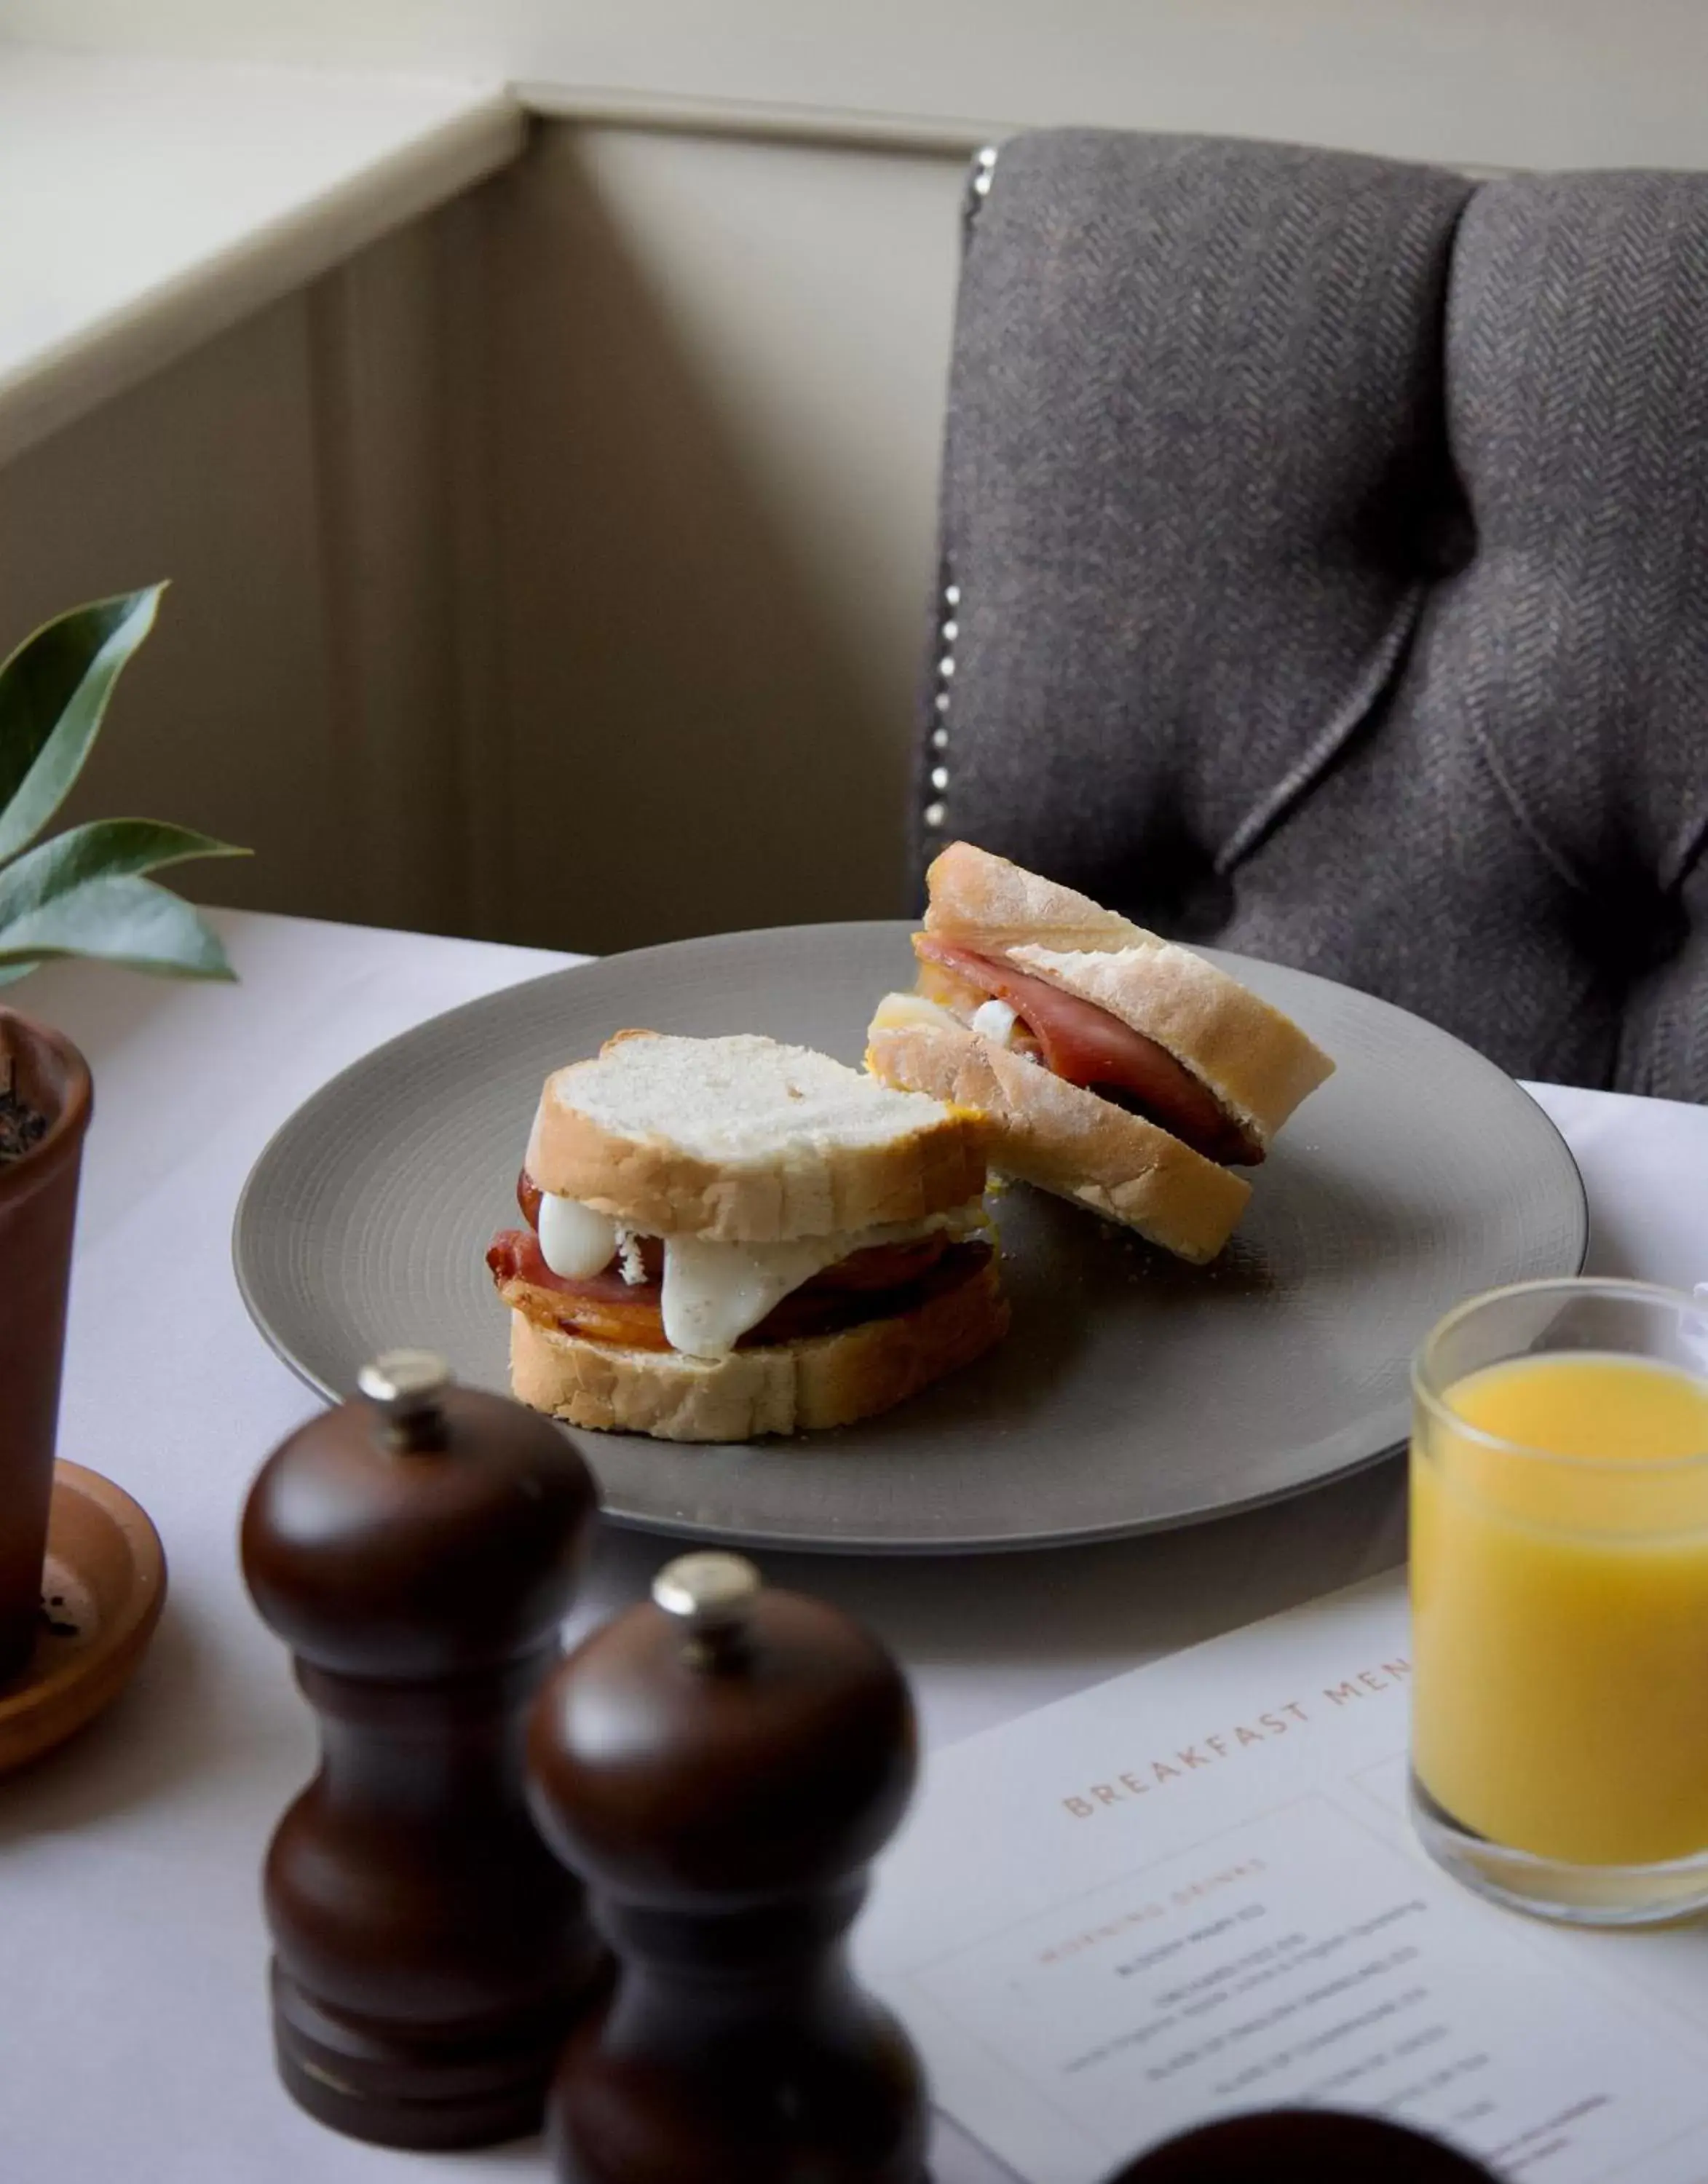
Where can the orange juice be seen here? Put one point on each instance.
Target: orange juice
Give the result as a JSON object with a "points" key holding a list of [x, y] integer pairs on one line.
{"points": [[1560, 1607]]}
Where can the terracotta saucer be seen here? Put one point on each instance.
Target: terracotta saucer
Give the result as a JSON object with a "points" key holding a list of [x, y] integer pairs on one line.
{"points": [[101, 1592]]}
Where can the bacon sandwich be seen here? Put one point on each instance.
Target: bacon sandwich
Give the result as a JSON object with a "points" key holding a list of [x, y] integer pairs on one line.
{"points": [[1112, 1068], [726, 1237]]}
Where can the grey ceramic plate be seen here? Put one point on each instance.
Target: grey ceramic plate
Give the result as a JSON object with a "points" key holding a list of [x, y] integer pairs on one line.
{"points": [[1133, 1393]]}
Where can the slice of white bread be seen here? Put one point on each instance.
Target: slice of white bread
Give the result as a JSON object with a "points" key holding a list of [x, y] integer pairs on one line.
{"points": [[742, 1140], [1050, 1133], [1257, 1062], [775, 1388]]}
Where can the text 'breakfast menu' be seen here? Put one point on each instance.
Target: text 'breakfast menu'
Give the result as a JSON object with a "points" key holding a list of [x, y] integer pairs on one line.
{"points": [[1194, 1890]]}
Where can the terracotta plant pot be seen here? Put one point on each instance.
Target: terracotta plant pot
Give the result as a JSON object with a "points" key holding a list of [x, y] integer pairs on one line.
{"points": [[38, 1202]]}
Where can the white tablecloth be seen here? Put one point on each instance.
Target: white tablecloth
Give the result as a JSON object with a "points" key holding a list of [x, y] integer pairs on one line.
{"points": [[133, 2031]]}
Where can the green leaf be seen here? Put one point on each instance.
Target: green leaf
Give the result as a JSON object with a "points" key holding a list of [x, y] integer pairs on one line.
{"points": [[124, 920], [9, 971], [106, 849], [53, 691]]}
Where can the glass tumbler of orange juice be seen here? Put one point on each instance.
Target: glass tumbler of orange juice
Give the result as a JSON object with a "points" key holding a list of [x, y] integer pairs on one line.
{"points": [[1560, 1599]]}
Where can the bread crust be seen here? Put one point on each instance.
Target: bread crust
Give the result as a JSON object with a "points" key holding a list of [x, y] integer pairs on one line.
{"points": [[1066, 1140], [1256, 1060], [659, 1189], [981, 898], [779, 1388]]}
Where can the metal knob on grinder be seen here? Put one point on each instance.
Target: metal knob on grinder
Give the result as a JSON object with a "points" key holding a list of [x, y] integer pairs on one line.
{"points": [[711, 1597], [406, 1385]]}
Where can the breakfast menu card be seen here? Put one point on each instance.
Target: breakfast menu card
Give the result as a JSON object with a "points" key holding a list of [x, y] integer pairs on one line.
{"points": [[1194, 1890]]}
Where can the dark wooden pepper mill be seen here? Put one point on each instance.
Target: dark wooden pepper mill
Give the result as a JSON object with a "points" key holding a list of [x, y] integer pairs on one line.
{"points": [[1319, 2146], [722, 1765], [417, 1552]]}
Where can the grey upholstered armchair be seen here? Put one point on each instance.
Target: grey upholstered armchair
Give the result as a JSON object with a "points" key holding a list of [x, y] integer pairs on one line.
{"points": [[1324, 574]]}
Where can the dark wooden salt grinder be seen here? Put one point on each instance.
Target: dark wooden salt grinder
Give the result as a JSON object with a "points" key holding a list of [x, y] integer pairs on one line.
{"points": [[417, 1551], [722, 1765]]}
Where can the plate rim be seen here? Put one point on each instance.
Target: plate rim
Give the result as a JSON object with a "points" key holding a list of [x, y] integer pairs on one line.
{"points": [[964, 1544]]}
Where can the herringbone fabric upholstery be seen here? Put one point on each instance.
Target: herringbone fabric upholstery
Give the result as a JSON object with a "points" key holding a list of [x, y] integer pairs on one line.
{"points": [[1328, 540]]}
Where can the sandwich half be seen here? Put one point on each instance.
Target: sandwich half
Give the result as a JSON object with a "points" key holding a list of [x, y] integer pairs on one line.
{"points": [[728, 1238], [1113, 1067]]}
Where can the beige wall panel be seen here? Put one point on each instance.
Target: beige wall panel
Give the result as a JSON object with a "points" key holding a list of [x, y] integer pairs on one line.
{"points": [[1541, 82], [721, 376], [556, 571], [206, 475], [387, 391], [296, 695]]}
